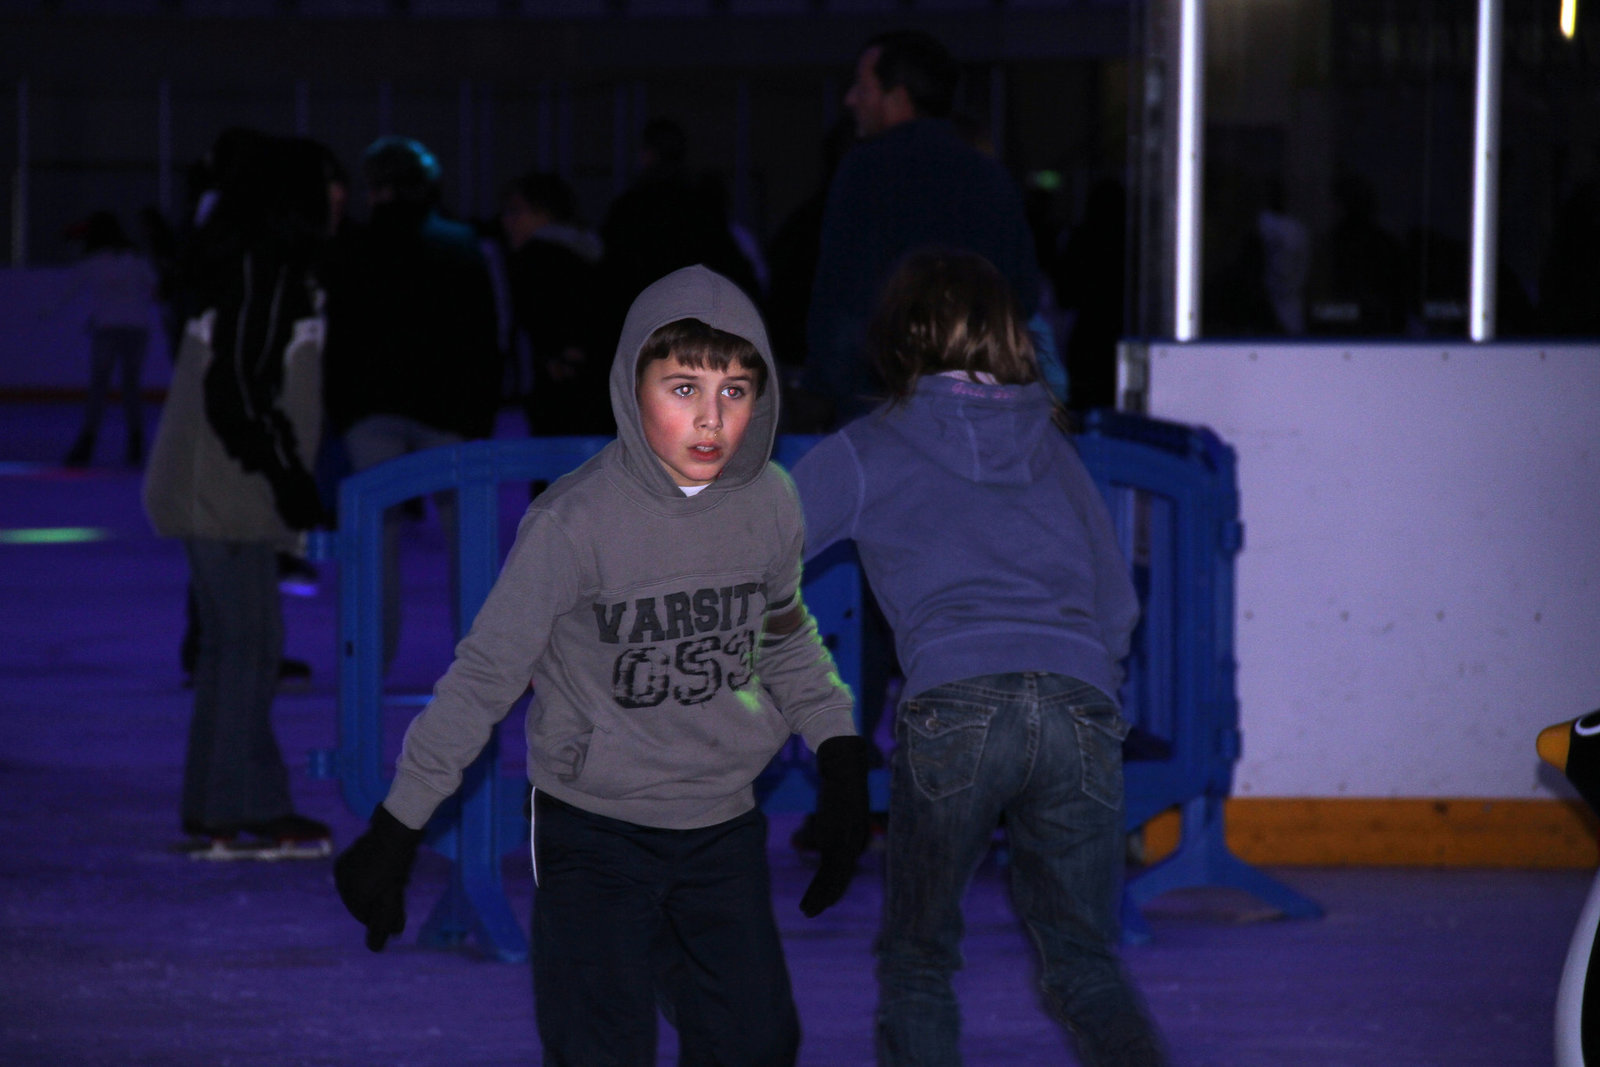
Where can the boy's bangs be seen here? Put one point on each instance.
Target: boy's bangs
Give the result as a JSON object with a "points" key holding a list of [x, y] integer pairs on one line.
{"points": [[719, 357], [701, 346]]}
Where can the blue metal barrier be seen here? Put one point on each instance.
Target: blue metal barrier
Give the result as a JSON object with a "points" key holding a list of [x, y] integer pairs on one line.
{"points": [[1173, 495], [485, 819]]}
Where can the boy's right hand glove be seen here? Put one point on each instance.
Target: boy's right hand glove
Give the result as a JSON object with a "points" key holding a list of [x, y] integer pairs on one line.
{"points": [[841, 823], [372, 874]]}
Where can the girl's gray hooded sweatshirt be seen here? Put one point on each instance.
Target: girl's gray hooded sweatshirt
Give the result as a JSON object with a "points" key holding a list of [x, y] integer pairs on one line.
{"points": [[637, 613]]}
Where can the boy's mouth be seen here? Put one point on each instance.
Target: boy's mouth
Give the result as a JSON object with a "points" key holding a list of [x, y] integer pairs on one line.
{"points": [[705, 450]]}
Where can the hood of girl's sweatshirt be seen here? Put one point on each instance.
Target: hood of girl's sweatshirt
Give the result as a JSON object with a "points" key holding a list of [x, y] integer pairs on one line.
{"points": [[692, 293], [989, 434]]}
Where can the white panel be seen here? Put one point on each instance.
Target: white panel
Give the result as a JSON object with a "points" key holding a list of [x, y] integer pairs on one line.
{"points": [[1419, 591]]}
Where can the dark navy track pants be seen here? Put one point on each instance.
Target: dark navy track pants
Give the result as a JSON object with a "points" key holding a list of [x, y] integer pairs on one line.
{"points": [[630, 918]]}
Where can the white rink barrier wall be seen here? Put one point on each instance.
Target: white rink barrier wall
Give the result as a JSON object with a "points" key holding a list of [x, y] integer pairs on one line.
{"points": [[1419, 589]]}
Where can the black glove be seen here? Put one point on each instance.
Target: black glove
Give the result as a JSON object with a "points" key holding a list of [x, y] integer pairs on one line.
{"points": [[841, 823], [294, 492], [372, 874]]}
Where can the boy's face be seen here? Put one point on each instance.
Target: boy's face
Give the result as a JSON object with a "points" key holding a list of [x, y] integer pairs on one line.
{"points": [[695, 418]]}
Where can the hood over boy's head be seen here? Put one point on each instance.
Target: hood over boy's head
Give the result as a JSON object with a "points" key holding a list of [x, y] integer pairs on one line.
{"points": [[701, 320]]}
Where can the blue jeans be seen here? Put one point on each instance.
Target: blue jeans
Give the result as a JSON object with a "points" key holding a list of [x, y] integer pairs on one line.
{"points": [[1043, 751], [233, 770], [121, 349]]}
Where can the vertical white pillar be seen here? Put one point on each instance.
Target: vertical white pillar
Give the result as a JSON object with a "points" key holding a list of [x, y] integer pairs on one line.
{"points": [[1190, 160], [1485, 171]]}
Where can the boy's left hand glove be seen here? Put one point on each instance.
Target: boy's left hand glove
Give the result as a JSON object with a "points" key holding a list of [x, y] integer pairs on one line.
{"points": [[842, 819]]}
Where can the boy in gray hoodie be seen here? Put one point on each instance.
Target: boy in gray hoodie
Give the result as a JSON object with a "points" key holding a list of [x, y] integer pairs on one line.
{"points": [[652, 598]]}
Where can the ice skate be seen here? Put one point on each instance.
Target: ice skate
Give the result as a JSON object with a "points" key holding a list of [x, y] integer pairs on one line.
{"points": [[289, 837]]}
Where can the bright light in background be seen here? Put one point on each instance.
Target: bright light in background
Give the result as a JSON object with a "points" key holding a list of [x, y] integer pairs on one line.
{"points": [[1485, 172], [1569, 18], [1191, 74], [53, 535]]}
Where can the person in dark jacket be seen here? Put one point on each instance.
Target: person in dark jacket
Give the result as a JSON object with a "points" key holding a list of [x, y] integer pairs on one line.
{"points": [[552, 274], [230, 475], [414, 362], [914, 181], [668, 218]]}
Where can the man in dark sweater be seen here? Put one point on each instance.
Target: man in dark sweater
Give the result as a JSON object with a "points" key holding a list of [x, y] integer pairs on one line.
{"points": [[411, 310], [913, 182]]}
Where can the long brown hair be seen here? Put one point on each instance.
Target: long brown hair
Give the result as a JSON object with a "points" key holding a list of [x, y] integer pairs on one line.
{"points": [[944, 310]]}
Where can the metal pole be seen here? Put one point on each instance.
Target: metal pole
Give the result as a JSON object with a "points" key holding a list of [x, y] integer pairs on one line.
{"points": [[1191, 128], [1485, 170]]}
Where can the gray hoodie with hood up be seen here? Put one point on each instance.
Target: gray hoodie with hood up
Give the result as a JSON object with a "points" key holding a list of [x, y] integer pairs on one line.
{"points": [[638, 614]]}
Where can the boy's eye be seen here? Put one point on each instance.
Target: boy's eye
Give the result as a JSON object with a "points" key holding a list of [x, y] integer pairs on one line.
{"points": [[733, 392], [683, 390]]}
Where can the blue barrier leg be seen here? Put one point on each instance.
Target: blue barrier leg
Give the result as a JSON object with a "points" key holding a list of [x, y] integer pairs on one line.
{"points": [[476, 901], [1135, 931], [474, 904], [1203, 859]]}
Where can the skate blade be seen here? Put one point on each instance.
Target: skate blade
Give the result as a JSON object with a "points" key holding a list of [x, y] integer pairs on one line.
{"points": [[267, 851]]}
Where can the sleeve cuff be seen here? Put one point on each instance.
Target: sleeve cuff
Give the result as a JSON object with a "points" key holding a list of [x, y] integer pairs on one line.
{"points": [[830, 722], [411, 802]]}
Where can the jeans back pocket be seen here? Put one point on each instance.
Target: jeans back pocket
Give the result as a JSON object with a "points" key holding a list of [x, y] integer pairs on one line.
{"points": [[1100, 732], [943, 742]]}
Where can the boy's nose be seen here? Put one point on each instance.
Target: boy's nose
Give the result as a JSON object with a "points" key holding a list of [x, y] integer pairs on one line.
{"points": [[711, 415]]}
